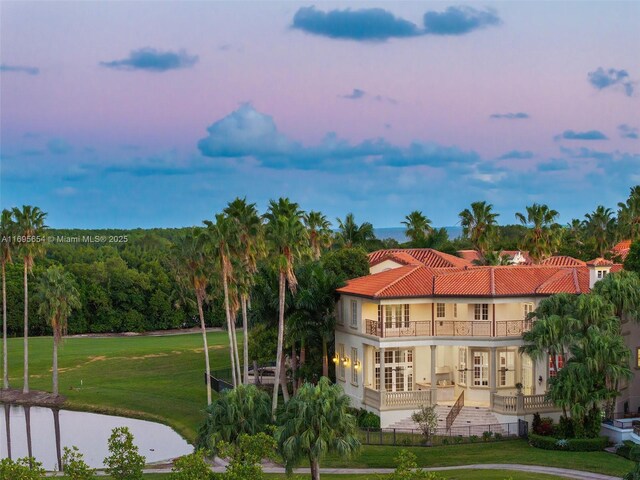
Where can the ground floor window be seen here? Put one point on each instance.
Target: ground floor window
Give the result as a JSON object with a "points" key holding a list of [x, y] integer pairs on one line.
{"points": [[462, 366], [481, 369], [398, 370], [506, 368]]}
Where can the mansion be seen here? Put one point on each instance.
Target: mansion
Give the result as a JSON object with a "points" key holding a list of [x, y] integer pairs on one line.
{"points": [[425, 327]]}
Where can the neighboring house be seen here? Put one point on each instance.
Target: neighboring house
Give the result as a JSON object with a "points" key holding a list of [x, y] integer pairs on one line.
{"points": [[621, 249], [425, 327]]}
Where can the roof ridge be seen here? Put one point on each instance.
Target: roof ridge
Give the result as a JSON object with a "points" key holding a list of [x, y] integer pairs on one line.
{"points": [[575, 280], [493, 281], [389, 285], [554, 278]]}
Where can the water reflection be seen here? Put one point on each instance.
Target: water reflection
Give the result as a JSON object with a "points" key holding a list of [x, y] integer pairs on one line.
{"points": [[44, 432]]}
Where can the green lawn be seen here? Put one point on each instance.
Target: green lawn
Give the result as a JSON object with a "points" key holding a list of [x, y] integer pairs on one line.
{"points": [[508, 451], [156, 378]]}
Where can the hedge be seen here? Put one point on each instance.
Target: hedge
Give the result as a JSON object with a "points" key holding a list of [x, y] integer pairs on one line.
{"points": [[570, 444]]}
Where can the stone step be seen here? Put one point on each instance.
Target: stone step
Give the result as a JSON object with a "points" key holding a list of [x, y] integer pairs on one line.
{"points": [[470, 421]]}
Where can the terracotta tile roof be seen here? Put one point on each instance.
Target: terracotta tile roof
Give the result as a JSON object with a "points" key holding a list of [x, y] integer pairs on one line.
{"points": [[468, 255], [403, 258], [426, 256], [622, 248], [616, 268], [599, 262], [563, 261], [504, 281]]}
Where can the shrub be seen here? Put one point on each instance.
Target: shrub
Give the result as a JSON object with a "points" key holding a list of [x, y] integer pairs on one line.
{"points": [[124, 463], [74, 465], [245, 456], [542, 426], [571, 444], [565, 428], [473, 438], [191, 467], [407, 469], [365, 418], [244, 410], [486, 436], [22, 469], [498, 436], [459, 439], [427, 420]]}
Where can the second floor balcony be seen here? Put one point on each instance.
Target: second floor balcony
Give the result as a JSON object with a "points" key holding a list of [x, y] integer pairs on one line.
{"points": [[447, 328]]}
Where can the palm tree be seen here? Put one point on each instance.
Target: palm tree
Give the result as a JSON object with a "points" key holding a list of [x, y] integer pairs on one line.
{"points": [[223, 237], [314, 423], [192, 267], [622, 289], [287, 238], [319, 231], [543, 234], [351, 234], [629, 215], [7, 231], [418, 228], [479, 225], [250, 248], [601, 225], [29, 223], [58, 296]]}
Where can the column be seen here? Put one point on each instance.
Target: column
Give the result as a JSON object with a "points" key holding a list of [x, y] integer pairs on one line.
{"points": [[493, 374], [434, 378], [382, 385]]}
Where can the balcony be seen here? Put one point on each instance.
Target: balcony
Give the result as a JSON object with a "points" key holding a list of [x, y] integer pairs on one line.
{"points": [[447, 328], [396, 400], [522, 404]]}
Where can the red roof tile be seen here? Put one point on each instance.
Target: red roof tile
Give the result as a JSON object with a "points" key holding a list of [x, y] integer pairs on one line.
{"points": [[403, 258], [427, 256], [621, 249], [599, 262], [563, 261]]}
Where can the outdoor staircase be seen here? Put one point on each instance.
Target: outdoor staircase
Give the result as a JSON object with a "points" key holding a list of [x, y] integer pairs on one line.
{"points": [[470, 421]]}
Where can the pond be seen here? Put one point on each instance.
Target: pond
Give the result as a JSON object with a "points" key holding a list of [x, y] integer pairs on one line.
{"points": [[88, 431]]}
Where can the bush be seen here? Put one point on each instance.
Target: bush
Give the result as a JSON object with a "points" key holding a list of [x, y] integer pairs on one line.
{"points": [[365, 418], [124, 463], [473, 439], [624, 449], [427, 420], [498, 436], [191, 467], [486, 436], [565, 428], [547, 442], [74, 465], [22, 469], [542, 426]]}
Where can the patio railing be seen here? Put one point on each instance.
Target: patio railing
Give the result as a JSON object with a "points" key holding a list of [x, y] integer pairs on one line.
{"points": [[447, 328], [396, 400], [522, 404]]}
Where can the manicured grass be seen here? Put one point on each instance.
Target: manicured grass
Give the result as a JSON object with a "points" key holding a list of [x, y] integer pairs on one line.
{"points": [[155, 378], [508, 451]]}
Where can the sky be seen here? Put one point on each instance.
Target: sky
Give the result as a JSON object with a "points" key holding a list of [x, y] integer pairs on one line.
{"points": [[156, 114]]}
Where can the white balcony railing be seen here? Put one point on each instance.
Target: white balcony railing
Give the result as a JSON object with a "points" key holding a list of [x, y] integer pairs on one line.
{"points": [[447, 328], [396, 400]]}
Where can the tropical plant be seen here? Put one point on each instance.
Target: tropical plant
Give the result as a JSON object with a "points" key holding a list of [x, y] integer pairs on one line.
{"points": [[246, 455], [418, 228], [351, 234], [287, 238], [632, 262], [601, 227], [74, 466], [191, 467], [622, 290], [427, 419], [407, 468], [315, 422], [223, 237], [21, 469], [479, 226], [29, 227], [319, 231], [249, 250], [191, 266], [7, 233], [124, 462], [245, 409], [347, 263], [543, 233], [629, 215], [58, 296]]}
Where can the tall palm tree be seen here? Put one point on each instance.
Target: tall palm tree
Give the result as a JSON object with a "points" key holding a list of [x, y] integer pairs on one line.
{"points": [[418, 228], [622, 289], [192, 266], [351, 234], [479, 225], [287, 239], [543, 234], [314, 423], [7, 232], [58, 296], [601, 225], [550, 335], [629, 215], [250, 248], [223, 237], [30, 225], [319, 230]]}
